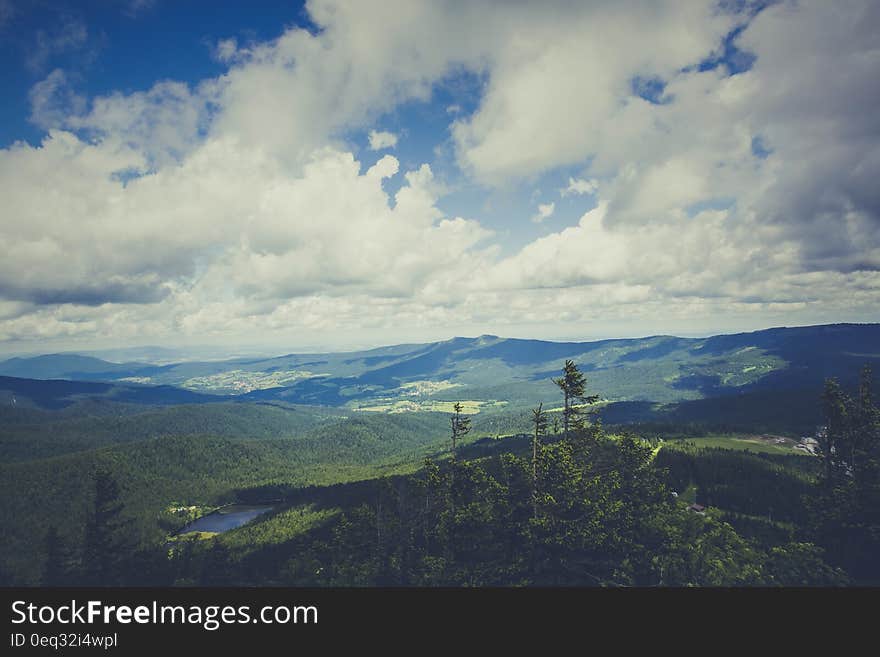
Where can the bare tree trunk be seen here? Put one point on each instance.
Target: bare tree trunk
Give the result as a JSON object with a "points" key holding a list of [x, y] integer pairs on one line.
{"points": [[566, 412], [535, 475]]}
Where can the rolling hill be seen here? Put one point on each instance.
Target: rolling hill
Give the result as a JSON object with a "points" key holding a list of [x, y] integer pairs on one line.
{"points": [[322, 419], [490, 369], [199, 464]]}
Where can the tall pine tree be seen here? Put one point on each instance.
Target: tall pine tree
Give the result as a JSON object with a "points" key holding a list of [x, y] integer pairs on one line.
{"points": [[108, 545], [539, 420], [573, 385], [461, 425], [846, 513]]}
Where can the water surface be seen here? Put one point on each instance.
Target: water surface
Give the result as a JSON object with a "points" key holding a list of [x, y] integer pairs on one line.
{"points": [[229, 517]]}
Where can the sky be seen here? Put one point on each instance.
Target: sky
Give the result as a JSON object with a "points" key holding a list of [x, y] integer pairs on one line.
{"points": [[327, 175]]}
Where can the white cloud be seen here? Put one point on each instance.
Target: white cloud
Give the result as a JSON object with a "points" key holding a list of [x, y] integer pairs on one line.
{"points": [[246, 214], [579, 186], [364, 61], [228, 221], [382, 140], [690, 211], [552, 96], [165, 122], [545, 211]]}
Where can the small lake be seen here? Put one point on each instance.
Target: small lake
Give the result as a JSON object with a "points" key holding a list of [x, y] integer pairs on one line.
{"points": [[229, 517]]}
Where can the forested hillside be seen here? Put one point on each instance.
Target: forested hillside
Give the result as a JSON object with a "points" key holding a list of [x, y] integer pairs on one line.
{"points": [[382, 500], [198, 469], [487, 371], [27, 434]]}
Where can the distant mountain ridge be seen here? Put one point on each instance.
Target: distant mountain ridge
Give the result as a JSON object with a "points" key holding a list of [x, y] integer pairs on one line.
{"points": [[489, 368], [64, 366], [59, 393]]}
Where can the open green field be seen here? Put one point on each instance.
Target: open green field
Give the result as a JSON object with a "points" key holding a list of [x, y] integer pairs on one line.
{"points": [[468, 406], [753, 443]]}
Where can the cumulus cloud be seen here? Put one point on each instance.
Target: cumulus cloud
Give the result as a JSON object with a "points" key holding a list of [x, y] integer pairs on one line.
{"points": [[551, 97], [164, 123], [579, 186], [382, 140], [365, 60], [690, 211], [229, 220], [545, 211], [231, 206]]}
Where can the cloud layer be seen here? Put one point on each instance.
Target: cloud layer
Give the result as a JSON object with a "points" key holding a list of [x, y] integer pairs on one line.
{"points": [[233, 206]]}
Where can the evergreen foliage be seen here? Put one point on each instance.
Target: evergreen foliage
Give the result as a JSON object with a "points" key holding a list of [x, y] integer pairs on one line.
{"points": [[583, 507], [845, 517]]}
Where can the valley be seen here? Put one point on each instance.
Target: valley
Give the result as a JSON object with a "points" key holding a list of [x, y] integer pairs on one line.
{"points": [[321, 435]]}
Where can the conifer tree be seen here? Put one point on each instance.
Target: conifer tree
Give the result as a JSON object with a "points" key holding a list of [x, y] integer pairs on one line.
{"points": [[107, 545], [573, 385], [461, 425], [539, 419], [846, 515]]}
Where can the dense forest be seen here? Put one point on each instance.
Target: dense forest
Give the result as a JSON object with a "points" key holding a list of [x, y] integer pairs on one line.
{"points": [[570, 503], [202, 470]]}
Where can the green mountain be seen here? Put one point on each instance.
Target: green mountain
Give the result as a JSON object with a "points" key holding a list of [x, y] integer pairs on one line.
{"points": [[491, 369], [203, 455], [764, 379], [66, 366], [57, 394], [320, 441]]}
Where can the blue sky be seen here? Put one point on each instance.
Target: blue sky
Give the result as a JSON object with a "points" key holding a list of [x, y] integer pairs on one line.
{"points": [[128, 46], [205, 170]]}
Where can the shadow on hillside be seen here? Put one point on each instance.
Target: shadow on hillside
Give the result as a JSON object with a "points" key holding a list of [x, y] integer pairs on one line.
{"points": [[659, 350]]}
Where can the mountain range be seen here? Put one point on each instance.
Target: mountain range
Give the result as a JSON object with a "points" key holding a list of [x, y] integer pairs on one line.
{"points": [[487, 371], [213, 432]]}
